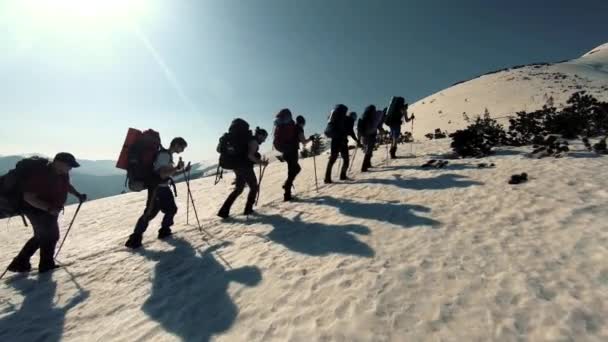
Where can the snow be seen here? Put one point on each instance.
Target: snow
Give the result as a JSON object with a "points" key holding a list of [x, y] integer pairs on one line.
{"points": [[401, 254], [506, 92]]}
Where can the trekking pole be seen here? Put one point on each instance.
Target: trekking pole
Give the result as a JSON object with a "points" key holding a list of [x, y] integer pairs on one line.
{"points": [[68, 231], [198, 222], [262, 170], [412, 142], [187, 179], [314, 163]]}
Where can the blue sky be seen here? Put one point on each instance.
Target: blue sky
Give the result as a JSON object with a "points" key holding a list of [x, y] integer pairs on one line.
{"points": [[74, 78]]}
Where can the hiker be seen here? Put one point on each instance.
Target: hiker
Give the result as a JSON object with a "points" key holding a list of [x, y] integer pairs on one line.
{"points": [[339, 127], [160, 197], [367, 129], [45, 191], [287, 138], [397, 110], [242, 163]]}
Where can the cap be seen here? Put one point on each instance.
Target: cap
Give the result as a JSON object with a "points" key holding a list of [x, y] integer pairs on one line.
{"points": [[67, 158]]}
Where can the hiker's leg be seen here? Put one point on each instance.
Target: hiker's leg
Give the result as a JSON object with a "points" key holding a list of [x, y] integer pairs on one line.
{"points": [[166, 204], [32, 245], [345, 159], [367, 156], [395, 133], [149, 214], [47, 231], [252, 183], [239, 186], [292, 166], [335, 150]]}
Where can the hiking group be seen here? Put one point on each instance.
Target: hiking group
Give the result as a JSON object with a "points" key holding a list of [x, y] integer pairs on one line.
{"points": [[37, 188]]}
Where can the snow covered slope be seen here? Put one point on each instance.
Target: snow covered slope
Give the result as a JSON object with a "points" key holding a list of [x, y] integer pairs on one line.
{"points": [[401, 254], [508, 91]]}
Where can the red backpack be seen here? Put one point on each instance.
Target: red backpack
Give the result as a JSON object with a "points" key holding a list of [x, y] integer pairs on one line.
{"points": [[137, 157], [285, 131]]}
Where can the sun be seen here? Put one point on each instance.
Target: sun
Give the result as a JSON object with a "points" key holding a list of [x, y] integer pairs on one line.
{"points": [[82, 14]]}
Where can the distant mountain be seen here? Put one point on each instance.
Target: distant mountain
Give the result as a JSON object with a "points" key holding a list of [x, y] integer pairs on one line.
{"points": [[507, 91]]}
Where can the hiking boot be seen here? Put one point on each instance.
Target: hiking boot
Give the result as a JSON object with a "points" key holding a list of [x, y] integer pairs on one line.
{"points": [[248, 212], [19, 267], [287, 197], [164, 233], [133, 242], [345, 178], [327, 181], [46, 268]]}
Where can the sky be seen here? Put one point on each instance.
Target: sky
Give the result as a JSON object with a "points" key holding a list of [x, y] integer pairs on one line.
{"points": [[76, 74]]}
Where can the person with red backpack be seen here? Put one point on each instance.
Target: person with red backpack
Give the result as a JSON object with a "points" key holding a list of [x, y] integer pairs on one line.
{"points": [[160, 197], [287, 138], [43, 193]]}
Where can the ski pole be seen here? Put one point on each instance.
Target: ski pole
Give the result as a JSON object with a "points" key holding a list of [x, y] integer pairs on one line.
{"points": [[69, 228]]}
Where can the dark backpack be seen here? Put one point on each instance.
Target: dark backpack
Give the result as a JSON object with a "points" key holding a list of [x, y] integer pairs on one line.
{"points": [[366, 126], [233, 145], [393, 114], [141, 156], [12, 185], [335, 124], [285, 131]]}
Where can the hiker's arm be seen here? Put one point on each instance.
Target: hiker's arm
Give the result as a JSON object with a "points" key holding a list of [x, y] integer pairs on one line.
{"points": [[303, 139], [167, 171], [33, 200], [73, 191]]}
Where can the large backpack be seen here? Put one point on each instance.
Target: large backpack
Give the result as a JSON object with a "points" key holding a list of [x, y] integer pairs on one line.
{"points": [[12, 185], [233, 145], [335, 124], [141, 151], [394, 116], [366, 125], [285, 131]]}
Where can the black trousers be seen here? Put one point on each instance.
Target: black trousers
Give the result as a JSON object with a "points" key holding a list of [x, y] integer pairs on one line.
{"points": [[338, 147], [369, 142], [293, 168], [46, 235], [160, 199], [244, 176]]}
